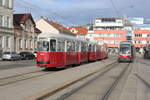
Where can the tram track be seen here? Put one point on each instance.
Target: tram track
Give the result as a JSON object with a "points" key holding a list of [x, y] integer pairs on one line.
{"points": [[22, 77], [114, 84], [58, 95], [50, 92]]}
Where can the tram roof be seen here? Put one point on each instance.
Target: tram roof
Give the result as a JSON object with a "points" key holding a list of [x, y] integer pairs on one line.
{"points": [[126, 42], [60, 36]]}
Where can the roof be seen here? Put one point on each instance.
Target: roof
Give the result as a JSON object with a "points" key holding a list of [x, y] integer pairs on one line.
{"points": [[142, 25], [59, 36], [126, 42], [80, 30], [21, 19], [108, 18], [59, 27], [37, 30]]}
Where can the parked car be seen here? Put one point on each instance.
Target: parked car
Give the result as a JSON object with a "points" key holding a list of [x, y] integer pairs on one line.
{"points": [[10, 56], [26, 55]]}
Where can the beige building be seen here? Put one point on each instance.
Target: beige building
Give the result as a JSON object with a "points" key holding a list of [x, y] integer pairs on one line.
{"points": [[25, 37], [47, 26], [6, 26]]}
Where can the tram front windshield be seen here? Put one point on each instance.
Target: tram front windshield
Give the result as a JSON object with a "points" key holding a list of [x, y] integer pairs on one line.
{"points": [[43, 46], [125, 49]]}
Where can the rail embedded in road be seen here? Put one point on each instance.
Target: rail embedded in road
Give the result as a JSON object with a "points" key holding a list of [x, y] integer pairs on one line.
{"points": [[68, 91], [51, 92], [22, 77]]}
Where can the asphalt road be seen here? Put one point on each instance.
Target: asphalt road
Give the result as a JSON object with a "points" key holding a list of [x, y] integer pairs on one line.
{"points": [[16, 64], [99, 87], [134, 85]]}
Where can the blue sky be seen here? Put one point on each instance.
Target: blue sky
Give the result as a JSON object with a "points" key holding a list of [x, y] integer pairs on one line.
{"points": [[82, 12]]}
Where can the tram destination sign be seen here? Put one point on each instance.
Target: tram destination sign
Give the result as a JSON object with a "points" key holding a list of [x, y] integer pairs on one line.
{"points": [[42, 39]]}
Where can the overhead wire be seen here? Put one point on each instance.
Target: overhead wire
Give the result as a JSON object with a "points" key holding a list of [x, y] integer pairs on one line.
{"points": [[114, 7], [37, 11]]}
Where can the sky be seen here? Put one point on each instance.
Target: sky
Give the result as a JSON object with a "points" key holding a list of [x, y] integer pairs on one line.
{"points": [[82, 12]]}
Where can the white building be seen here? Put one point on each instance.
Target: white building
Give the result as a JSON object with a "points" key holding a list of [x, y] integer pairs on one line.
{"points": [[108, 23], [6, 26], [47, 26], [136, 20], [107, 30]]}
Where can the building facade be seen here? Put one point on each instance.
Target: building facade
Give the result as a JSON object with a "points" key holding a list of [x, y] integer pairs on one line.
{"points": [[25, 37], [141, 36], [108, 30], [6, 26], [47, 26]]}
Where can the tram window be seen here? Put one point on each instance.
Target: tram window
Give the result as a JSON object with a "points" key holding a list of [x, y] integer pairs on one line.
{"points": [[132, 50], [40, 46], [53, 45], [59, 47], [43, 46], [73, 46], [125, 49], [90, 48], [46, 46], [83, 47], [63, 46], [93, 48], [77, 46], [68, 46]]}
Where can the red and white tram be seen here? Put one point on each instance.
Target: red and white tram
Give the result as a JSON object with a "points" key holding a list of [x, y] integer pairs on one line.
{"points": [[126, 52], [58, 50]]}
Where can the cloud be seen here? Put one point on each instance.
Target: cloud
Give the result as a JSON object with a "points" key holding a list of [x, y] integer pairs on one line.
{"points": [[83, 11]]}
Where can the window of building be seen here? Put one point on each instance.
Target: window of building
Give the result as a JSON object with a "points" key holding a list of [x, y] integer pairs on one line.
{"points": [[119, 35], [97, 21], [30, 44], [138, 35], [148, 35], [116, 42], [7, 42], [8, 22], [139, 42], [26, 44], [1, 2], [1, 20], [7, 3], [108, 20], [135, 42], [20, 44], [1, 41]]}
